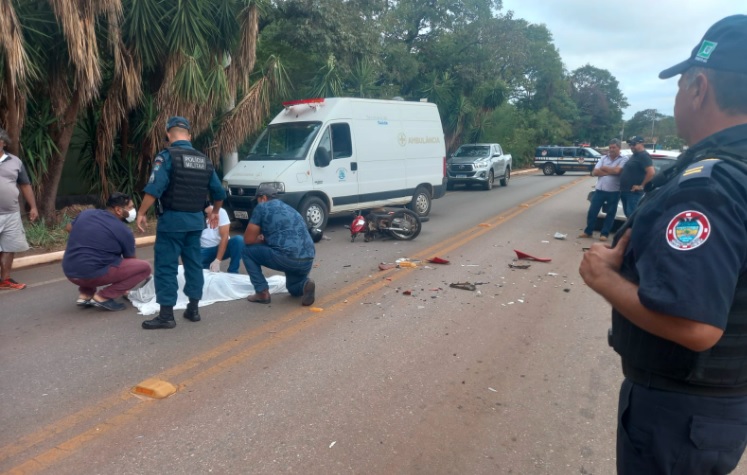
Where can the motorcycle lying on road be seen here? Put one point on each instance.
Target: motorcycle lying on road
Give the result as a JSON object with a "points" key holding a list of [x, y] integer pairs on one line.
{"points": [[399, 223]]}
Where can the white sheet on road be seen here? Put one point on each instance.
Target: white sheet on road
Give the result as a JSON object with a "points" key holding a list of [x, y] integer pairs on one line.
{"points": [[219, 287]]}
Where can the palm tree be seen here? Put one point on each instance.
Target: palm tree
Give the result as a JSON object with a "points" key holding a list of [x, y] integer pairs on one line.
{"points": [[147, 59]]}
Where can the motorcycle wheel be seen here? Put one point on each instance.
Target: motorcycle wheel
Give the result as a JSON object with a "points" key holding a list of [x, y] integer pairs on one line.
{"points": [[405, 225]]}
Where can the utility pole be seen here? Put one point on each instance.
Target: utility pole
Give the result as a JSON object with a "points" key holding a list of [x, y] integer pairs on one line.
{"points": [[653, 121]]}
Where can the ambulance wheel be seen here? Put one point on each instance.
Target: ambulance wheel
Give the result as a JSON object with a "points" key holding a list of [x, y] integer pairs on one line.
{"points": [[421, 201], [315, 212]]}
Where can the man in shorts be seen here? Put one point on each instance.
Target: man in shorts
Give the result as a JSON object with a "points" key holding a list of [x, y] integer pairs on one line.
{"points": [[13, 177]]}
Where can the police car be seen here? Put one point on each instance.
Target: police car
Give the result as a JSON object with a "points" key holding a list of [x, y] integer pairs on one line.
{"points": [[662, 159]]}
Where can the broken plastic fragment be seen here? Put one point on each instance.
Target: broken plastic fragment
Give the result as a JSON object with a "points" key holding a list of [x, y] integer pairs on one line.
{"points": [[386, 266], [524, 255], [437, 260], [463, 286], [316, 309], [561, 236], [519, 266]]}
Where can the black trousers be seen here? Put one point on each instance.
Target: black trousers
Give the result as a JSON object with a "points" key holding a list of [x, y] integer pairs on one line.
{"points": [[663, 432]]}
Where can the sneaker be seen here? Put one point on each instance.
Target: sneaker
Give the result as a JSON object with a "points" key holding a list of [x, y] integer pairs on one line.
{"points": [[309, 289], [192, 316], [11, 284], [111, 305], [159, 322], [83, 302], [584, 236], [603, 238]]}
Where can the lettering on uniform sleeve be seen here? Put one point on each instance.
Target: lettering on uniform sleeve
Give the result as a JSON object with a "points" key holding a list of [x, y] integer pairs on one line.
{"points": [[688, 230]]}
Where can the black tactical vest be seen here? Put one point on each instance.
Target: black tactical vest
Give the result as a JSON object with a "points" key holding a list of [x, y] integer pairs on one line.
{"points": [[653, 361], [190, 177]]}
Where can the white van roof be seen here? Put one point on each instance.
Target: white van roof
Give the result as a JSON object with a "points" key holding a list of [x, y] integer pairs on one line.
{"points": [[356, 108]]}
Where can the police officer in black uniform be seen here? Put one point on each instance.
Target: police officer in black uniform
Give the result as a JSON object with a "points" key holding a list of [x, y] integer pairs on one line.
{"points": [[181, 179], [676, 277]]}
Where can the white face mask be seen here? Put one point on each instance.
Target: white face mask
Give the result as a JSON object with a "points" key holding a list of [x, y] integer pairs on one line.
{"points": [[131, 215]]}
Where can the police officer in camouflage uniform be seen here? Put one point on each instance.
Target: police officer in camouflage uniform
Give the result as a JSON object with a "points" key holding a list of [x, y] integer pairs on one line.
{"points": [[676, 277], [181, 179]]}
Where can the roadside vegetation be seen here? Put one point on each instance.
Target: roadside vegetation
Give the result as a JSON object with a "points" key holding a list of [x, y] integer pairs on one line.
{"points": [[92, 82]]}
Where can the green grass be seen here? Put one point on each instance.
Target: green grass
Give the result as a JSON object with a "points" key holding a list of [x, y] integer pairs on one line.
{"points": [[39, 235]]}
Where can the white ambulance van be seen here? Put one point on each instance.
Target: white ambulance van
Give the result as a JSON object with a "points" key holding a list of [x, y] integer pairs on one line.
{"points": [[330, 156]]}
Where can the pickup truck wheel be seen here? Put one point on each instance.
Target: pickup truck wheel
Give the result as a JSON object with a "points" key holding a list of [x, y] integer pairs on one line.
{"points": [[421, 201], [560, 172], [548, 169], [506, 177], [314, 211], [449, 185], [488, 185]]}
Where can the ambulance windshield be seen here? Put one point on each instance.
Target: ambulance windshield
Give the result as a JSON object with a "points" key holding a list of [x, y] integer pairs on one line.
{"points": [[288, 141]]}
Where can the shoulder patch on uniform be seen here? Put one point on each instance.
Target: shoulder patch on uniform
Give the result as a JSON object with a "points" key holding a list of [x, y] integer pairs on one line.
{"points": [[699, 169], [159, 159], [688, 230]]}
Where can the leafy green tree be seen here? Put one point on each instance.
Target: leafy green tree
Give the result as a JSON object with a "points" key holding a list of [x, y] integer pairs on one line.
{"points": [[600, 103]]}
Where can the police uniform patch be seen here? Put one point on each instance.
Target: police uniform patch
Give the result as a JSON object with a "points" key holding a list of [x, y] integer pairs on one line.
{"points": [[688, 230]]}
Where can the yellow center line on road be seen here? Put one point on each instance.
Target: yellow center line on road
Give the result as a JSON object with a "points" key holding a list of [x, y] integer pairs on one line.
{"points": [[126, 407]]}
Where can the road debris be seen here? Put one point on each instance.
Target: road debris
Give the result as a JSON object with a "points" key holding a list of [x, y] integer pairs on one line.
{"points": [[463, 286], [520, 266], [438, 260], [524, 255], [560, 236], [386, 266]]}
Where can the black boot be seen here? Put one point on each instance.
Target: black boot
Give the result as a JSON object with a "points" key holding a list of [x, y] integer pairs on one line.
{"points": [[193, 311], [164, 319]]}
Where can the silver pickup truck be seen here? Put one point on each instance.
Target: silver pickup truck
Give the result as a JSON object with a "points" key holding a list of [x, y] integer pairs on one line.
{"points": [[479, 163]]}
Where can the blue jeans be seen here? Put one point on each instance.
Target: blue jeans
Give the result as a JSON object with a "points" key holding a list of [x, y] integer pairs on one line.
{"points": [[233, 252], [630, 201], [296, 270], [602, 199]]}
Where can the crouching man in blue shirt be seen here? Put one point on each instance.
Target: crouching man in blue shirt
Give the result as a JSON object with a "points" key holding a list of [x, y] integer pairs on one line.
{"points": [[278, 238]]}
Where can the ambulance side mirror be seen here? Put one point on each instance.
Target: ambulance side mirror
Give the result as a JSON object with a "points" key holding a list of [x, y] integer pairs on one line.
{"points": [[322, 157]]}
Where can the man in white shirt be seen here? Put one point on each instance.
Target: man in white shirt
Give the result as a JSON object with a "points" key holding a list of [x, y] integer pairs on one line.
{"points": [[607, 192], [217, 246]]}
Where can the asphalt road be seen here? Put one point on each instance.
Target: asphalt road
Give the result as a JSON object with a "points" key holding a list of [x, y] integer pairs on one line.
{"points": [[515, 377]]}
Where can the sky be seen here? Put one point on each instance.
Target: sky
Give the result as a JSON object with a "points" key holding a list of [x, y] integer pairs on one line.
{"points": [[632, 39]]}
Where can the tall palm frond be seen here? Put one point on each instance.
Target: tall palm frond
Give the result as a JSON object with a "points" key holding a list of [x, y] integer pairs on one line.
{"points": [[328, 80], [250, 112], [246, 52], [14, 54], [78, 20]]}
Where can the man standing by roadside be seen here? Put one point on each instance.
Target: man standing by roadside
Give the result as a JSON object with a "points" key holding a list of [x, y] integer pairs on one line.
{"points": [[181, 179], [13, 177], [676, 279], [278, 238], [638, 171], [607, 192]]}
